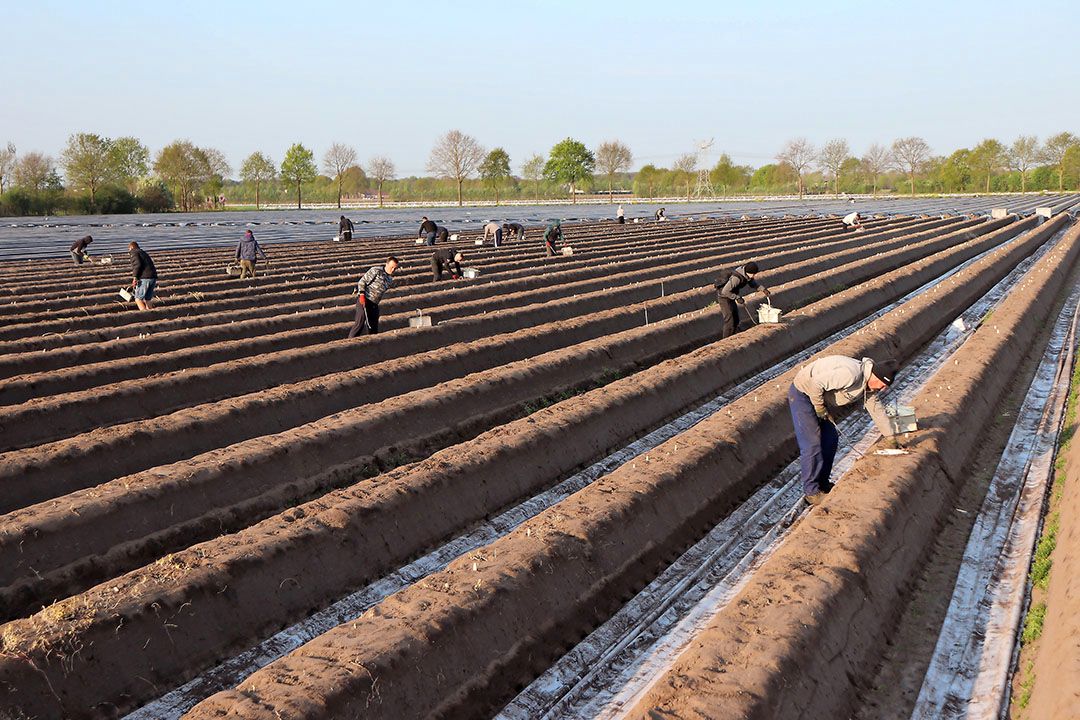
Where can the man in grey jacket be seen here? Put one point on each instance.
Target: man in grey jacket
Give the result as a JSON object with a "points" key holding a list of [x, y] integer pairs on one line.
{"points": [[729, 292], [371, 287], [820, 387]]}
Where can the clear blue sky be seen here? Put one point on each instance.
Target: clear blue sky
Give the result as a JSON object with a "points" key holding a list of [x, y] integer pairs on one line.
{"points": [[388, 78]]}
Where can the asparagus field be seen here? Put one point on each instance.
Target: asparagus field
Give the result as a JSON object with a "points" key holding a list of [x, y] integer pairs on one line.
{"points": [[565, 498]]}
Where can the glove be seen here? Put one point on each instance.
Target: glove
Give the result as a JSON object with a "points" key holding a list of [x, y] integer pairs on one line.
{"points": [[766, 293], [454, 277], [825, 415], [741, 301], [363, 299]]}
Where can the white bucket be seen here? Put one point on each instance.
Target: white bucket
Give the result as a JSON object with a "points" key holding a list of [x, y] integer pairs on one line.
{"points": [[126, 295], [478, 242], [421, 320], [767, 314], [337, 238], [107, 260], [568, 250], [902, 418], [470, 273], [453, 238], [419, 241]]}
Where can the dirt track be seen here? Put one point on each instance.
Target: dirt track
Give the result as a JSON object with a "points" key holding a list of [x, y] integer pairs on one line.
{"points": [[255, 445]]}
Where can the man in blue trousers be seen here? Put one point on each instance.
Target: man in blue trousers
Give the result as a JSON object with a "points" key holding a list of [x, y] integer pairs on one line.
{"points": [[827, 383]]}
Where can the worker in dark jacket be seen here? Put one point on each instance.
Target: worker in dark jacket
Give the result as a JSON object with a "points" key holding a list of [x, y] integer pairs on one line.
{"points": [[248, 251], [428, 230], [552, 235], [515, 230], [660, 215], [728, 290], [819, 389], [345, 228], [446, 260], [144, 276], [78, 249], [442, 235], [371, 287]]}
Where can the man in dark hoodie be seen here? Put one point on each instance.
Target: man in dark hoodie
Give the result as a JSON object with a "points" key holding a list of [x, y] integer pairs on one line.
{"points": [[428, 230], [78, 249], [345, 228], [442, 235], [144, 276], [728, 291], [247, 252], [446, 260]]}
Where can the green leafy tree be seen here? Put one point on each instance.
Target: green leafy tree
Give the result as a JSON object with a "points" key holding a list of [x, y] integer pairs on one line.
{"points": [[129, 162], [1055, 150], [570, 162], [729, 177], [298, 167], [257, 169], [86, 163], [533, 171], [613, 157], [646, 179], [987, 158], [955, 173], [183, 167], [495, 170]]}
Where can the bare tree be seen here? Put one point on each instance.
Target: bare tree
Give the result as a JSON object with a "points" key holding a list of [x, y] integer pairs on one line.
{"points": [[832, 157], [7, 165], [1023, 154], [533, 170], [1055, 150], [256, 169], [336, 161], [686, 164], [34, 171], [613, 157], [456, 156], [798, 153], [910, 154], [380, 169], [877, 160]]}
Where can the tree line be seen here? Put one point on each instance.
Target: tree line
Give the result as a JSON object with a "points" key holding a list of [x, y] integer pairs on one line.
{"points": [[107, 175]]}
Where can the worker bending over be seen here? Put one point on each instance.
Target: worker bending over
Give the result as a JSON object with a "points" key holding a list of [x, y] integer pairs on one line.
{"points": [[442, 234], [345, 228], [729, 295], [247, 252], [514, 230], [820, 387], [660, 215], [494, 230], [553, 234], [853, 221], [446, 260], [78, 249], [428, 230], [371, 287]]}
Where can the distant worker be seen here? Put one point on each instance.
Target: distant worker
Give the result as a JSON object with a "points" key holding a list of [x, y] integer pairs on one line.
{"points": [[853, 221], [494, 230], [820, 387], [345, 228], [515, 229], [553, 234], [620, 215], [446, 260], [728, 290], [78, 249], [248, 251], [144, 276], [442, 234], [371, 287], [428, 230], [660, 215]]}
